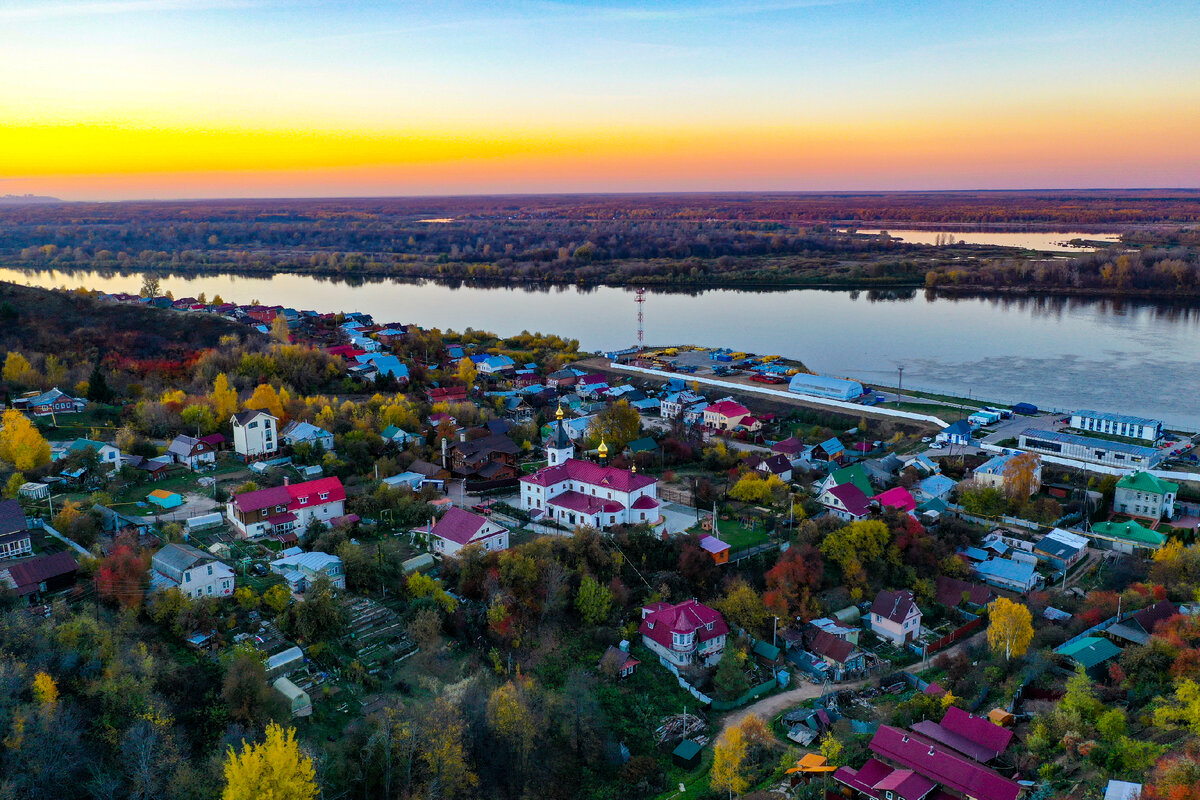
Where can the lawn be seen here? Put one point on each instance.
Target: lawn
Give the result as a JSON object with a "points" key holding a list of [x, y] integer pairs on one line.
{"points": [[739, 537], [948, 413]]}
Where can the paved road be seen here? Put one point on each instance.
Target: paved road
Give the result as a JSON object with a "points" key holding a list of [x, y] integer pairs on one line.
{"points": [[774, 704]]}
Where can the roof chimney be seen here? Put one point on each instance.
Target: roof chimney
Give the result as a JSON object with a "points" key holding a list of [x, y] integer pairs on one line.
{"points": [[904, 738], [287, 479], [930, 749]]}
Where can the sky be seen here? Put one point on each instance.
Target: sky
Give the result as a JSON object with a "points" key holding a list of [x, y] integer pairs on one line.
{"points": [[146, 99]]}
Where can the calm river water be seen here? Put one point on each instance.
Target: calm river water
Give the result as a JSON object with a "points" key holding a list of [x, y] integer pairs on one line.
{"points": [[1131, 357]]}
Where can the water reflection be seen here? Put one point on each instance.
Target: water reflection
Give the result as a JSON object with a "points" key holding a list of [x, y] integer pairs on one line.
{"points": [[1125, 355]]}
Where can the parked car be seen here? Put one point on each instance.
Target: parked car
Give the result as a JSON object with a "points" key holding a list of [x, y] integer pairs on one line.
{"points": [[260, 570]]}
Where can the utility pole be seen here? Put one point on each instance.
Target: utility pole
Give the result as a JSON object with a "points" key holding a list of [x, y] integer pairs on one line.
{"points": [[900, 388]]}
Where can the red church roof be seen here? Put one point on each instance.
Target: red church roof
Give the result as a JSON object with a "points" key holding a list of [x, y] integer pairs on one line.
{"points": [[574, 469]]}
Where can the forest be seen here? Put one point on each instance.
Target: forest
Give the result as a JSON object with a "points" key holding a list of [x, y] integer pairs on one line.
{"points": [[697, 240]]}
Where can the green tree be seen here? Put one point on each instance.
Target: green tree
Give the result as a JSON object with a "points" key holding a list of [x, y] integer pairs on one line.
{"points": [[593, 601], [98, 389], [319, 618], [616, 425], [730, 678]]}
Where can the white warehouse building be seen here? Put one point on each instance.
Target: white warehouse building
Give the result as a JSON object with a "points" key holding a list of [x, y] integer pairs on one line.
{"points": [[1151, 430], [822, 386]]}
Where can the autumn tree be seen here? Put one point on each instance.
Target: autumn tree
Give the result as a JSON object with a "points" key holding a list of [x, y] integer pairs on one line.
{"points": [[729, 756], [121, 577], [280, 332], [616, 425], [593, 601], [444, 756], [856, 545], [18, 371], [277, 598], [248, 695], [1010, 627], [467, 371], [511, 719], [45, 690], [224, 399], [1021, 476], [753, 488], [793, 582], [1182, 709], [21, 444], [13, 487], [265, 398], [742, 606], [273, 769]]}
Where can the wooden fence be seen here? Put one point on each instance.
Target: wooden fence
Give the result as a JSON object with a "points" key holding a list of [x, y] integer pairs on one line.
{"points": [[955, 635]]}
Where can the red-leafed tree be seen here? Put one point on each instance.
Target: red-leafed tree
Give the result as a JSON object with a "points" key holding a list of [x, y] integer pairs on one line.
{"points": [[121, 578], [1176, 776], [793, 580]]}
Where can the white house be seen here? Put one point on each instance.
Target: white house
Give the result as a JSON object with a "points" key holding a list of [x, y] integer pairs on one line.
{"points": [[458, 528], [991, 472], [683, 634], [296, 432], [1149, 430], [958, 433], [673, 404], [301, 569], [192, 452], [894, 616], [109, 455], [255, 434], [1143, 495], [193, 572], [288, 508]]}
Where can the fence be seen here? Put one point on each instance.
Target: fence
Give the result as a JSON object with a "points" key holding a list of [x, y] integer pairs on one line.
{"points": [[955, 635], [1002, 519], [755, 693], [683, 684]]}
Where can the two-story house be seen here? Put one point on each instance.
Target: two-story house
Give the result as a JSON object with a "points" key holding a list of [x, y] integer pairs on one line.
{"points": [[686, 633], [255, 434], [191, 452], [458, 528], [288, 508], [297, 432], [729, 415], [193, 572], [488, 458], [894, 616], [1143, 495]]}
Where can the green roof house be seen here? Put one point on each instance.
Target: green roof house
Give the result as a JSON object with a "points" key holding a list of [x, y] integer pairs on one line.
{"points": [[1090, 652], [1143, 495], [854, 474], [1126, 537]]}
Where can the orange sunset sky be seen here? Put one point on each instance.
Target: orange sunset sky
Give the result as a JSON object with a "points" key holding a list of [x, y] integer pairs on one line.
{"points": [[117, 99]]}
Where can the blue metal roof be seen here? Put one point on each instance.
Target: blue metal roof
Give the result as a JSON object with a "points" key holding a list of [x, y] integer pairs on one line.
{"points": [[1090, 441], [1128, 420]]}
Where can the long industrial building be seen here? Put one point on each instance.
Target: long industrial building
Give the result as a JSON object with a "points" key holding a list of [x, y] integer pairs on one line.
{"points": [[821, 386], [1151, 430], [1093, 451]]}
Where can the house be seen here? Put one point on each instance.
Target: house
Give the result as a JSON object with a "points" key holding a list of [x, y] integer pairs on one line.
{"points": [[728, 415], [431, 472], [845, 501], [685, 633], [491, 365], [955, 433], [1140, 626], [841, 657], [1149, 430], [288, 508], [384, 365], [894, 616], [12, 517], [1061, 549], [1126, 537], [935, 487], [898, 498], [672, 405], [408, 480], [563, 378], [991, 473], [716, 548], [975, 737], [922, 765], [301, 569], [617, 661], [831, 450], [164, 499], [32, 577], [883, 470], [1143, 495], [795, 449], [489, 458], [1090, 449], [395, 435], [297, 432], [855, 474], [834, 627], [156, 468], [646, 444], [1091, 653], [458, 528], [255, 434], [777, 465], [1005, 573], [216, 441], [193, 572], [15, 544], [109, 455], [54, 401], [952, 592], [191, 452], [447, 394]]}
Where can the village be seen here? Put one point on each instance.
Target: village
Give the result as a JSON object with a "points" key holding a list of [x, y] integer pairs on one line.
{"points": [[773, 583]]}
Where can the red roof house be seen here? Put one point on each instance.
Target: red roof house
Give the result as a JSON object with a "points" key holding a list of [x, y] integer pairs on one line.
{"points": [[898, 498], [686, 633], [975, 737], [942, 765]]}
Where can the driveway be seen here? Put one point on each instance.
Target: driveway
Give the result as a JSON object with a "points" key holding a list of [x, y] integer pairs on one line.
{"points": [[768, 707]]}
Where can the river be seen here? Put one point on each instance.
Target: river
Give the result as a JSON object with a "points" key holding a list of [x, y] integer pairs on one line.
{"points": [[1128, 357]]}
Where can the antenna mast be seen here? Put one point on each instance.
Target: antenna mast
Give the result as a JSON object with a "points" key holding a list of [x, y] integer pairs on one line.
{"points": [[641, 303]]}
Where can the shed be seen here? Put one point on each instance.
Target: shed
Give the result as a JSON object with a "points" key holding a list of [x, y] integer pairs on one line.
{"points": [[165, 499], [205, 521], [999, 716], [34, 491], [766, 651], [298, 699], [284, 662], [686, 755], [1028, 409]]}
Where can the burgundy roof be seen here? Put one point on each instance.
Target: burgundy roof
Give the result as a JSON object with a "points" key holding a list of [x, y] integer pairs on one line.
{"points": [[896, 497], [852, 498], [865, 777], [950, 592], [942, 765], [689, 616], [728, 408], [645, 501], [291, 495], [213, 439], [592, 474], [777, 464], [458, 526], [826, 645], [585, 503], [979, 730], [907, 784], [893, 606], [790, 446], [28, 574], [1151, 616]]}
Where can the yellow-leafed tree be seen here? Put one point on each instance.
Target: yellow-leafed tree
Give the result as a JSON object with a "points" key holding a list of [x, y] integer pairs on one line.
{"points": [[265, 398], [18, 370], [467, 371], [45, 690], [20, 442], [1021, 476], [273, 770], [1010, 627], [729, 756], [224, 399]]}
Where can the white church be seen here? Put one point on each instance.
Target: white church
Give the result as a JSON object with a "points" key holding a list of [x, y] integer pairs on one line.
{"points": [[574, 493]]}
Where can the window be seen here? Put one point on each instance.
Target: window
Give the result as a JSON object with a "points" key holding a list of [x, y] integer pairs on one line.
{"points": [[303, 501], [210, 569], [252, 425], [324, 495], [187, 577]]}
